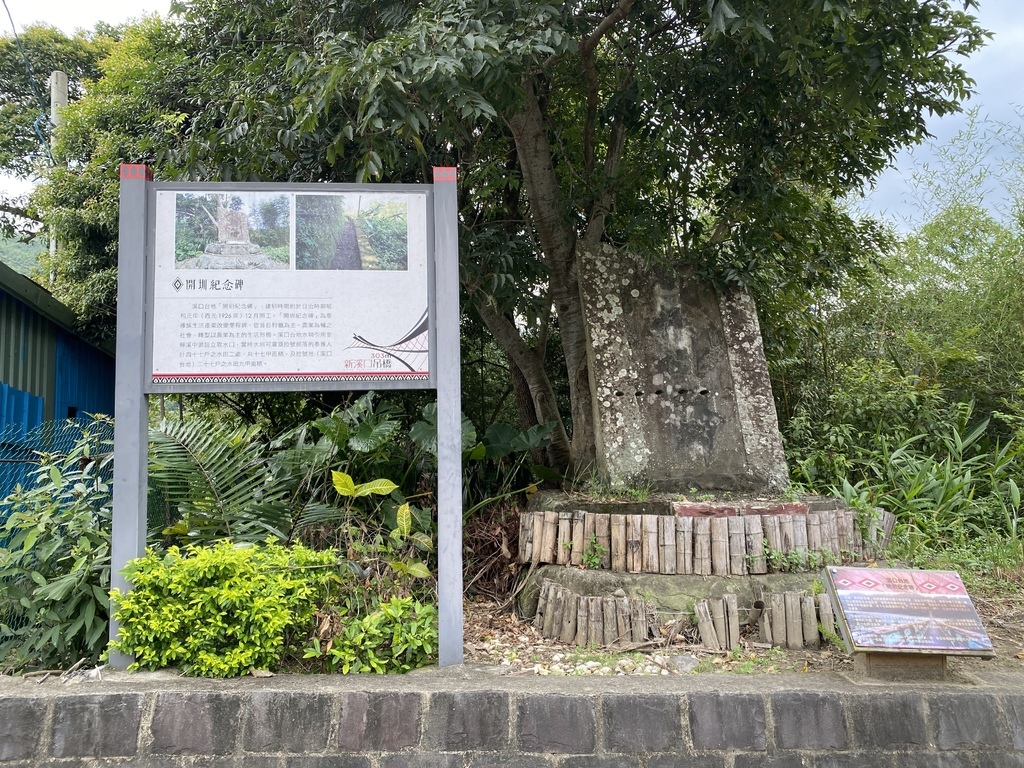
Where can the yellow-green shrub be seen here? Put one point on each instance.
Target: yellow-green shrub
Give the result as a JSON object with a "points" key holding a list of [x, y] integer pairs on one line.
{"points": [[219, 611]]}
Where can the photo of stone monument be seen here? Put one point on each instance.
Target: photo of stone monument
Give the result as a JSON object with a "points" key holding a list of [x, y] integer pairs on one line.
{"points": [[232, 231], [351, 232]]}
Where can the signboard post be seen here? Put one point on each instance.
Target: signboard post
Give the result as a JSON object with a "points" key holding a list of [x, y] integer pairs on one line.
{"points": [[288, 287]]}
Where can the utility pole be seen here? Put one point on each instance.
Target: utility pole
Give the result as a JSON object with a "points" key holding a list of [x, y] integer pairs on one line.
{"points": [[58, 100]]}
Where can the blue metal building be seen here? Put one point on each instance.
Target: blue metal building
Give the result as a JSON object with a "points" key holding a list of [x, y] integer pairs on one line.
{"points": [[47, 373]]}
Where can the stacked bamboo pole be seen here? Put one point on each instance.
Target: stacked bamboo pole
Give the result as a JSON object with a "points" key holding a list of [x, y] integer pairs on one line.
{"points": [[733, 545], [718, 622], [796, 620], [595, 621]]}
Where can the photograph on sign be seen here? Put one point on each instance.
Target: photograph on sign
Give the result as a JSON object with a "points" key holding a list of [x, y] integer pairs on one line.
{"points": [[889, 609], [272, 286], [351, 232], [231, 231]]}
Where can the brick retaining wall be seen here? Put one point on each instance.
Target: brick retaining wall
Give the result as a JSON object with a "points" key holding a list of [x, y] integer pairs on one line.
{"points": [[470, 720]]}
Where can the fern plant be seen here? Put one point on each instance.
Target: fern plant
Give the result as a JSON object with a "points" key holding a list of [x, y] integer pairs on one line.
{"points": [[217, 479]]}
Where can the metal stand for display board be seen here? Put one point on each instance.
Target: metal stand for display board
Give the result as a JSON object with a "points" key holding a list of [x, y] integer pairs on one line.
{"points": [[133, 382]]}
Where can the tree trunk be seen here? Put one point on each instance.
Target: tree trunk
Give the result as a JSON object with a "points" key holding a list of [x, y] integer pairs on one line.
{"points": [[531, 366], [558, 243]]}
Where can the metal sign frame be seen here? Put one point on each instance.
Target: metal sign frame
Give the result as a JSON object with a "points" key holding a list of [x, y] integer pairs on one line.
{"points": [[134, 368]]}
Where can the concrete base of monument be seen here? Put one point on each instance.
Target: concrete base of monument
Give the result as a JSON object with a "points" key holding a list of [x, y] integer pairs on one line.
{"points": [[901, 667]]}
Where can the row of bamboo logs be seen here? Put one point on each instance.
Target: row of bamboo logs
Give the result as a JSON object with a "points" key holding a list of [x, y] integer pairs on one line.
{"points": [[791, 620], [590, 621], [705, 546]]}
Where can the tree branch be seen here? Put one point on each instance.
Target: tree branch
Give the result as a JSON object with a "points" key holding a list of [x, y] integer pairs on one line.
{"points": [[618, 13]]}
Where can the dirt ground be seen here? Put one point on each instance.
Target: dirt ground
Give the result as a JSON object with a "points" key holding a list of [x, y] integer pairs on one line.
{"points": [[494, 635]]}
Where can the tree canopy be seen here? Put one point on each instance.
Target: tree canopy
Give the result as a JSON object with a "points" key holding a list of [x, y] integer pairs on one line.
{"points": [[25, 121], [711, 135]]}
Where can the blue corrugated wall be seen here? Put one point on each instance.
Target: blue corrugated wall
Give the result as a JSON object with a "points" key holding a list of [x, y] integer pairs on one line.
{"points": [[46, 361], [84, 380]]}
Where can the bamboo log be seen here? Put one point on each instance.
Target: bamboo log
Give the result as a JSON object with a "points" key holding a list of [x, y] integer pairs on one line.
{"points": [[538, 537], [684, 545], [826, 615], [667, 543], [719, 547], [589, 535], [525, 537], [702, 546], [634, 544], [603, 524], [814, 532], [582, 622], [553, 613], [850, 518], [618, 526], [651, 555], [706, 626], [800, 538], [830, 536], [623, 624], [843, 532], [777, 601], [542, 599], [737, 545], [888, 523], [564, 546], [732, 622], [595, 622], [794, 621], [576, 556], [638, 621], [764, 623], [569, 613], [755, 544], [859, 545], [547, 553], [810, 617], [611, 625], [786, 533], [718, 619], [772, 536]]}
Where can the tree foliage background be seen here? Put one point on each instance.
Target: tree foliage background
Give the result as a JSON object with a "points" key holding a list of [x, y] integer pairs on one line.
{"points": [[712, 136]]}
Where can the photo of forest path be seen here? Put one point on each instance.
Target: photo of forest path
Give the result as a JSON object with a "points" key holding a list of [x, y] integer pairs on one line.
{"points": [[351, 232], [233, 231]]}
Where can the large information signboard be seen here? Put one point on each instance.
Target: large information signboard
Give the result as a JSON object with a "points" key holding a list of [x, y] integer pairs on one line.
{"points": [[902, 610], [262, 285], [280, 287]]}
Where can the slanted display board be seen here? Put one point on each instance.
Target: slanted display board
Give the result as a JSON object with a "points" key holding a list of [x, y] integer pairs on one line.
{"points": [[251, 287], [905, 611]]}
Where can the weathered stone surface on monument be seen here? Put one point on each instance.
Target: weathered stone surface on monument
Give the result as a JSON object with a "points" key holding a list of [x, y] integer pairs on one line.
{"points": [[680, 384]]}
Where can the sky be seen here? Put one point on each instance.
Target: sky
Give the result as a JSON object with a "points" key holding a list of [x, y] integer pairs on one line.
{"points": [[998, 69]]}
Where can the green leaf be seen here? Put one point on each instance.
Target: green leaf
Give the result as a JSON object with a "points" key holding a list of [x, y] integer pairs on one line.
{"points": [[404, 520], [343, 484], [381, 487]]}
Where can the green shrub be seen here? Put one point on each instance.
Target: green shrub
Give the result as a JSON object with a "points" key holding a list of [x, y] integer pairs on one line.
{"points": [[220, 611], [55, 558], [398, 636]]}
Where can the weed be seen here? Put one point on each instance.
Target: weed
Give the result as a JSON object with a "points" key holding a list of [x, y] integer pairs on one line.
{"points": [[594, 553]]}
